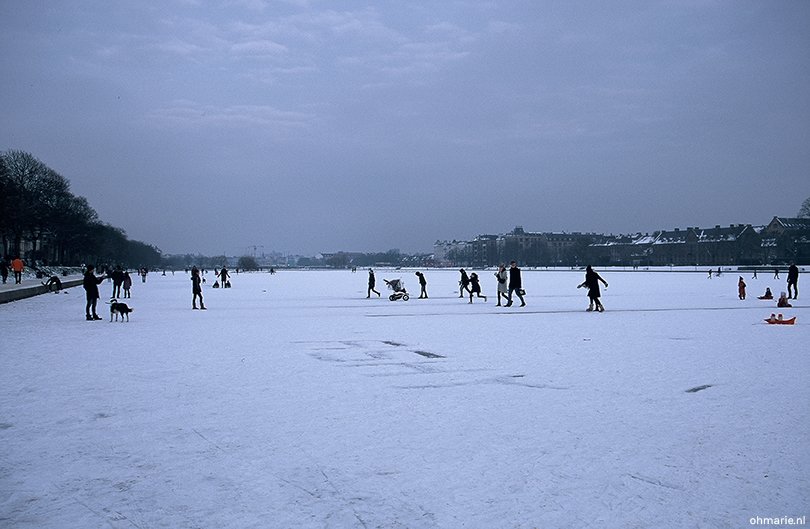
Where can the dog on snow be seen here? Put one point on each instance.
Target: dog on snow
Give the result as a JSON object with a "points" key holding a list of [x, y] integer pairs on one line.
{"points": [[117, 309]]}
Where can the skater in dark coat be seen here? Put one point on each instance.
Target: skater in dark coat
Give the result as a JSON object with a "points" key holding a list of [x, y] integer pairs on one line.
{"points": [[475, 287], [592, 280], [224, 277], [793, 280], [372, 282], [515, 284], [464, 283], [423, 285], [90, 284], [196, 288]]}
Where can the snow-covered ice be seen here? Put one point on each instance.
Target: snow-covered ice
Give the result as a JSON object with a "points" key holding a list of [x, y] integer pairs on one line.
{"points": [[295, 402]]}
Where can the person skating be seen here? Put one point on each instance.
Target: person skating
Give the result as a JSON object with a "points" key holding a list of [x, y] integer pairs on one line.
{"points": [[422, 285], [475, 287], [793, 280], [741, 288], [90, 284], [223, 276], [372, 282], [196, 288], [502, 277], [515, 284], [464, 283], [592, 280]]}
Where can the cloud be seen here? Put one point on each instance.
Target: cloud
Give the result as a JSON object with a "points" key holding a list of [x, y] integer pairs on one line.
{"points": [[189, 113], [259, 47]]}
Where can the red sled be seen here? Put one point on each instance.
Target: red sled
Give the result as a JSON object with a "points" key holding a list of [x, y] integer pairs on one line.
{"points": [[774, 321]]}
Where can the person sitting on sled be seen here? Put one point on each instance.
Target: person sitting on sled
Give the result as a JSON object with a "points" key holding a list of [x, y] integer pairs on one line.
{"points": [[768, 294], [783, 301]]}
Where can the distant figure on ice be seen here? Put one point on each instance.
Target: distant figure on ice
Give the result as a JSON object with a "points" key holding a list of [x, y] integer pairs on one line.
{"points": [[422, 285], [710, 273], [117, 277], [755, 274], [502, 276], [196, 288], [793, 280], [776, 273], [143, 273], [718, 271], [464, 283], [767, 295], [127, 284], [475, 287], [592, 280], [783, 301], [515, 284], [224, 277], [90, 284], [372, 282], [741, 288]]}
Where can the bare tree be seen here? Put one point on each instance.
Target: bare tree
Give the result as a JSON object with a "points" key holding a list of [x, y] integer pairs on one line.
{"points": [[804, 211]]}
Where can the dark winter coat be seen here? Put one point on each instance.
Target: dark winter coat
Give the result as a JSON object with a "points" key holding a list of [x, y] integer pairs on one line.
{"points": [[793, 274], [117, 277], [464, 279], [196, 284], [515, 282], [90, 284], [475, 286], [592, 282], [422, 280], [371, 279]]}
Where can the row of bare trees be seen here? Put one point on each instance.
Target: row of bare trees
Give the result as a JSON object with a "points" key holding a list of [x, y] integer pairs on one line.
{"points": [[41, 220]]}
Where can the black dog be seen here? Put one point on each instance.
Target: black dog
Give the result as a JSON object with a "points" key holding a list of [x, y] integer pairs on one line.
{"points": [[119, 308]]}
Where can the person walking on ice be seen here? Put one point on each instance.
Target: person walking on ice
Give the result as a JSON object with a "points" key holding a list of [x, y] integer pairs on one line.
{"points": [[422, 285], [196, 288], [741, 288], [475, 287], [592, 280], [464, 283], [372, 282], [502, 286], [515, 284]]}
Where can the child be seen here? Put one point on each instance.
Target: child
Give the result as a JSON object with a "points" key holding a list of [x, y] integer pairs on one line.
{"points": [[783, 301], [475, 287], [127, 284], [768, 294]]}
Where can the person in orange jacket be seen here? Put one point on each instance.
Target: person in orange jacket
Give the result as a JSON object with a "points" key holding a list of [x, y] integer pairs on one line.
{"points": [[17, 266]]}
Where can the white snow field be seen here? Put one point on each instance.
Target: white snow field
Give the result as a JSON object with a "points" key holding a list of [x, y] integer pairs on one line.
{"points": [[295, 402]]}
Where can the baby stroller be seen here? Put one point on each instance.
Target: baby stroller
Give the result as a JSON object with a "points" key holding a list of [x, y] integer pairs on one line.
{"points": [[399, 290]]}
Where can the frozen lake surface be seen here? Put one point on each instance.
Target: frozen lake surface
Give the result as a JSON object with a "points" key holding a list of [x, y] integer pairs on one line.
{"points": [[295, 402]]}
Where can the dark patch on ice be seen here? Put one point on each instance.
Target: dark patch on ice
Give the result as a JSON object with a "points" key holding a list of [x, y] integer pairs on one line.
{"points": [[395, 344], [102, 416], [680, 338], [426, 354], [5, 425], [699, 388], [518, 376]]}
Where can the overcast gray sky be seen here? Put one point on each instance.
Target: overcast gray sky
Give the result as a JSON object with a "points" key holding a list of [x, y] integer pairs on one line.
{"points": [[307, 126]]}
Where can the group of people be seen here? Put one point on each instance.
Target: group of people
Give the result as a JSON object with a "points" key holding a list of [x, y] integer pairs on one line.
{"points": [[792, 287], [17, 266]]}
